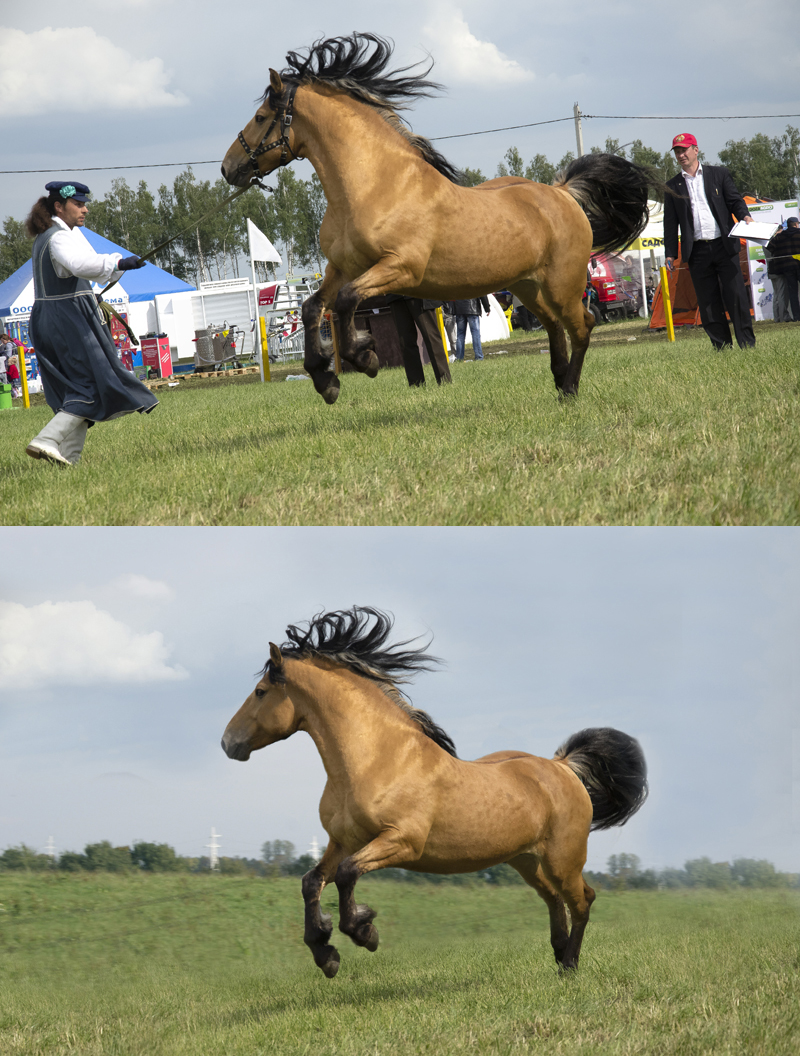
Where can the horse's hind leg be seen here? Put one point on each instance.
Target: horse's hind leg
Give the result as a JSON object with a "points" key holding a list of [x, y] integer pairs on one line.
{"points": [[579, 323], [569, 884], [318, 926], [527, 865], [529, 294], [316, 362]]}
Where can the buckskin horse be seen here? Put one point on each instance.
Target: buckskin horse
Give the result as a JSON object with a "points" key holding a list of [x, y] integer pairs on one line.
{"points": [[398, 221], [398, 795]]}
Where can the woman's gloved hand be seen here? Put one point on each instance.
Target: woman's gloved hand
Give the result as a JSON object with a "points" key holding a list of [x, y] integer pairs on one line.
{"points": [[130, 263]]}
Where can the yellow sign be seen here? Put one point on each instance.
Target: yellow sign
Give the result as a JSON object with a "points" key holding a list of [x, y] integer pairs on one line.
{"points": [[647, 243]]}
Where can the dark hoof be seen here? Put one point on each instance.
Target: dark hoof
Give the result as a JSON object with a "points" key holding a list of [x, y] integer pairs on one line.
{"points": [[372, 940], [327, 385], [331, 966], [368, 364]]}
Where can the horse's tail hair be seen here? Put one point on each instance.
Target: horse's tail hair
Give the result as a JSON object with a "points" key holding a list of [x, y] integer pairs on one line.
{"points": [[613, 770], [612, 191]]}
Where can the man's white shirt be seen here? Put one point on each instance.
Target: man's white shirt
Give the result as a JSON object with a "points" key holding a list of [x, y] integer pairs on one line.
{"points": [[705, 226], [72, 255]]}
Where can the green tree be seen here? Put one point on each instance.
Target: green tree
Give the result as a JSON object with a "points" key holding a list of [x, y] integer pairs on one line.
{"points": [[514, 165], [72, 862], [24, 857], [127, 217], [277, 852], [102, 856], [15, 247], [472, 177], [767, 168], [702, 872], [156, 857], [540, 170], [747, 872]]}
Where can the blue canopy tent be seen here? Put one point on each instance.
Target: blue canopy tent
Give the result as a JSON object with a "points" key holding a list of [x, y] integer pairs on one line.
{"points": [[144, 284]]}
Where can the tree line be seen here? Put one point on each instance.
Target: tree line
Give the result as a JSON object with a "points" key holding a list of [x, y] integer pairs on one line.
{"points": [[213, 248], [278, 858]]}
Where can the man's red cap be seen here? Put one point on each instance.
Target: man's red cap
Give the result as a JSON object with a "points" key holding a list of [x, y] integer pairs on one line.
{"points": [[684, 139]]}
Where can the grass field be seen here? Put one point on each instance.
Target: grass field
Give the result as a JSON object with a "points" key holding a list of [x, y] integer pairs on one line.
{"points": [[167, 965], [661, 434]]}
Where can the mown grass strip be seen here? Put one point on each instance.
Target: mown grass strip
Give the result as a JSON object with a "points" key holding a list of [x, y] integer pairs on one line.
{"points": [[661, 434]]}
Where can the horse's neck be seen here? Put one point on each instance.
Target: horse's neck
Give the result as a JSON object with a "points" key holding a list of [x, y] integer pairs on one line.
{"points": [[352, 148], [351, 722]]}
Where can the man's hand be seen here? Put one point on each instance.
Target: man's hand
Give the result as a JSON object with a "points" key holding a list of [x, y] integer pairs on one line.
{"points": [[670, 262], [748, 219]]}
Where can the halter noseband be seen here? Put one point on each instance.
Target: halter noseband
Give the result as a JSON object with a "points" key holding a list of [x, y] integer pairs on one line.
{"points": [[283, 113]]}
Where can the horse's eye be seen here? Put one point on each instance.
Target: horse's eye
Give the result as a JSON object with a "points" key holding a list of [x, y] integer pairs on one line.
{"points": [[260, 692], [260, 119]]}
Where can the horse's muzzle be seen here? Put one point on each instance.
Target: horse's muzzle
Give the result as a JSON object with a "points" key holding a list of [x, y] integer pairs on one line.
{"points": [[236, 750]]}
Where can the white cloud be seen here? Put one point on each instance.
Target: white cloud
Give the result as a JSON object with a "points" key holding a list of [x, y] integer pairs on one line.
{"points": [[142, 587], [461, 56], [75, 643], [78, 70]]}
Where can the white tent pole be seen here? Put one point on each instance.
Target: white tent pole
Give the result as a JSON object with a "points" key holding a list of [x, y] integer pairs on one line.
{"points": [[644, 288]]}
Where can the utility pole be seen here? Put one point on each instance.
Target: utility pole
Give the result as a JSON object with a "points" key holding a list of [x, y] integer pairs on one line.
{"points": [[213, 847], [50, 849], [578, 131], [313, 850]]}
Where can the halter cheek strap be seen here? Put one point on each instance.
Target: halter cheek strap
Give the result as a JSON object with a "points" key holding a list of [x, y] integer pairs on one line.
{"points": [[283, 113]]}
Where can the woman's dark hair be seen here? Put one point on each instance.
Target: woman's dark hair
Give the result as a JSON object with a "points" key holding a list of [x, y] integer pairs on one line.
{"points": [[40, 218]]}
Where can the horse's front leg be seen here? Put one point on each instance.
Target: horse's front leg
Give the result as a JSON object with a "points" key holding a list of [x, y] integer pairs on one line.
{"points": [[318, 925], [317, 362], [358, 346], [388, 849]]}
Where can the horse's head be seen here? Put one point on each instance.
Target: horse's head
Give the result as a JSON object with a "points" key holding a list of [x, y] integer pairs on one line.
{"points": [[268, 714], [268, 140]]}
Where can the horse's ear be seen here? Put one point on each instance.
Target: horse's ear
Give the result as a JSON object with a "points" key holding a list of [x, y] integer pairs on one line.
{"points": [[275, 82], [275, 655]]}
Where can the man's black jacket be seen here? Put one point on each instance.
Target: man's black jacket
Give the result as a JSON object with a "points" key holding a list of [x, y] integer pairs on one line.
{"points": [[723, 199]]}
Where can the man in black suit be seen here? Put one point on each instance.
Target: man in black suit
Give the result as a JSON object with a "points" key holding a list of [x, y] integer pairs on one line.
{"points": [[705, 197]]}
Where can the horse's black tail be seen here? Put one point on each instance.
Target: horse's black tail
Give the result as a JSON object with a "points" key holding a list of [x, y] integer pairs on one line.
{"points": [[613, 193], [612, 768]]}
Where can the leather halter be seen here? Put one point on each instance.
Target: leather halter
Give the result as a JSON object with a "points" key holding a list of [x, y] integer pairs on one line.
{"points": [[283, 113]]}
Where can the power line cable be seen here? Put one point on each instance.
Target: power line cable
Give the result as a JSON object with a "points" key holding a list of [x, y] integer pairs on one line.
{"points": [[435, 139]]}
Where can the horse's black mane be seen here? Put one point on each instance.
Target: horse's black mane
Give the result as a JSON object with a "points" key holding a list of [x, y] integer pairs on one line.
{"points": [[357, 65], [351, 638]]}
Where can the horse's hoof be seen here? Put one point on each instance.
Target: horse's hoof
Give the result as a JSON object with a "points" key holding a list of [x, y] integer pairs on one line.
{"points": [[367, 937], [331, 966], [371, 370], [330, 393]]}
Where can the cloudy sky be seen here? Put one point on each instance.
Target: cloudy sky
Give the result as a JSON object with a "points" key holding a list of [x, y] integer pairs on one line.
{"points": [[124, 653], [152, 81]]}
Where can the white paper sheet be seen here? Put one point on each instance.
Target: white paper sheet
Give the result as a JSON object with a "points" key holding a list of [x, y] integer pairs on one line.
{"points": [[755, 232]]}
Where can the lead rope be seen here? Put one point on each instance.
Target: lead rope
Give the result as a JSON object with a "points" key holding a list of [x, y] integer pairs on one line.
{"points": [[195, 223]]}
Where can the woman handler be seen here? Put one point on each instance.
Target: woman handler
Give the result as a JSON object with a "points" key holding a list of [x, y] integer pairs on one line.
{"points": [[84, 381]]}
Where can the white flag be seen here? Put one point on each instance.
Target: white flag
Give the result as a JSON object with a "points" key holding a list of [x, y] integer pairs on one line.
{"points": [[260, 246]]}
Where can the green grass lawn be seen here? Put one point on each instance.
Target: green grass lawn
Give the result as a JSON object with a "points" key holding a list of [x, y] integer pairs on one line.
{"points": [[661, 434], [167, 965]]}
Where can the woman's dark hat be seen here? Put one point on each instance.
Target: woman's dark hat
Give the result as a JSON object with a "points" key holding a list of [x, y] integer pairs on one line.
{"points": [[77, 191]]}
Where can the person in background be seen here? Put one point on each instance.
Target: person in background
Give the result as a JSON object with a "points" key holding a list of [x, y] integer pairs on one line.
{"points": [[12, 373], [408, 314], [783, 265], [468, 313], [83, 379], [3, 360], [703, 198]]}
